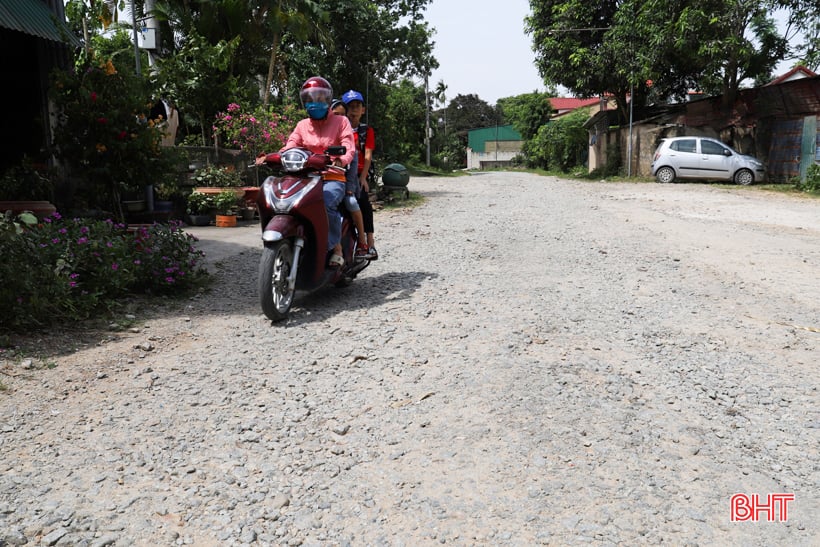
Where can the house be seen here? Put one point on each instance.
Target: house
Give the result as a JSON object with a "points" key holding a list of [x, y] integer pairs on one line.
{"points": [[494, 146], [33, 41], [565, 105], [796, 73]]}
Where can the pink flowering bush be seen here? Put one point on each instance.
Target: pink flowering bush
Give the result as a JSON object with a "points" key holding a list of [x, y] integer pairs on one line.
{"points": [[255, 131], [62, 269]]}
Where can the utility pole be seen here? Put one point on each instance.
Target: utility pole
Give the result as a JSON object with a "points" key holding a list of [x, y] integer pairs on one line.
{"points": [[427, 115], [136, 41]]}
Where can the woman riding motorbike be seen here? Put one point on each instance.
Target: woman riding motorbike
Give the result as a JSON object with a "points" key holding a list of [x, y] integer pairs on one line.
{"points": [[319, 131]]}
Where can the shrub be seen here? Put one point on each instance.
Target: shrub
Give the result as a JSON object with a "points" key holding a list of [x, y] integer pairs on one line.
{"points": [[812, 183], [225, 202], [24, 182], [260, 130], [103, 135], [215, 176], [200, 204], [65, 269]]}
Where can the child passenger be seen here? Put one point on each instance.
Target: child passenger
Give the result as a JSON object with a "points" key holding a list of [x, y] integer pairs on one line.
{"points": [[352, 188]]}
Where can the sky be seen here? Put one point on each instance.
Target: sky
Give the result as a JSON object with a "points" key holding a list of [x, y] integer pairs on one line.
{"points": [[482, 49]]}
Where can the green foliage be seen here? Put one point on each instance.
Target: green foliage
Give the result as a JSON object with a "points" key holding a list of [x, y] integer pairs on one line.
{"points": [[401, 131], [226, 202], [200, 203], [812, 182], [560, 144], [103, 136], [527, 112], [216, 176], [467, 112], [199, 79], [259, 130], [25, 183], [616, 46], [66, 269]]}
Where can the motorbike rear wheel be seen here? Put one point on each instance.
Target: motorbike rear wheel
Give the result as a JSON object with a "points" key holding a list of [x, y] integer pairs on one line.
{"points": [[274, 267]]}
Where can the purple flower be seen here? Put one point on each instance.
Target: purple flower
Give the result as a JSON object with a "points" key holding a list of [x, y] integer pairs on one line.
{"points": [[72, 284], [137, 262], [84, 230], [82, 240], [169, 279], [56, 240], [74, 275], [115, 266], [63, 231]]}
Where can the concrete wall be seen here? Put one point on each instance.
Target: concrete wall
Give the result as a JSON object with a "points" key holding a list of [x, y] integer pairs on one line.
{"points": [[504, 154]]}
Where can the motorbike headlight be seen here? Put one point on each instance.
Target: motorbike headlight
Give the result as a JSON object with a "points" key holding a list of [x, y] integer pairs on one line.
{"points": [[283, 201], [294, 159]]}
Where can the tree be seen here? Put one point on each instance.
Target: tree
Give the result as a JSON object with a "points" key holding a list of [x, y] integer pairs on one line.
{"points": [[618, 46], [560, 144], [402, 127], [467, 112], [299, 18], [527, 112]]}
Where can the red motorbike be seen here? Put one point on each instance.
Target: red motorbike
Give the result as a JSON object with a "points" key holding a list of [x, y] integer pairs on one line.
{"points": [[295, 230]]}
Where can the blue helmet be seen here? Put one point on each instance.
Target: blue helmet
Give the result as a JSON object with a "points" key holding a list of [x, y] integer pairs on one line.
{"points": [[351, 96]]}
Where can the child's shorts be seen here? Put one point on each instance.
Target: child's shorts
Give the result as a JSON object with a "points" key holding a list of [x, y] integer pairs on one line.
{"points": [[351, 203]]}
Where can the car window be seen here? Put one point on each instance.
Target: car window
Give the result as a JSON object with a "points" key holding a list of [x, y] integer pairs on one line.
{"points": [[683, 145], [712, 148]]}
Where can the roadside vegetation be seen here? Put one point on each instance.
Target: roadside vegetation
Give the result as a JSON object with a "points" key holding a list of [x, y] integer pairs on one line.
{"points": [[231, 72]]}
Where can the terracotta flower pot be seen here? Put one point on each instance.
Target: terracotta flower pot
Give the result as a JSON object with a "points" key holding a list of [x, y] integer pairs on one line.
{"points": [[225, 221]]}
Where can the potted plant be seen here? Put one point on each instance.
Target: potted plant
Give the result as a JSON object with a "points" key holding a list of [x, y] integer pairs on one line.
{"points": [[24, 188], [200, 208], [226, 204], [213, 176], [165, 191]]}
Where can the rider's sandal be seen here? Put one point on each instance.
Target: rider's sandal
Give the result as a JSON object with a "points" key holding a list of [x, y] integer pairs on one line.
{"points": [[362, 250], [336, 261]]}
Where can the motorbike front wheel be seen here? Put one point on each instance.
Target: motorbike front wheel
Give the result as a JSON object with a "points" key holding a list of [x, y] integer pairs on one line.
{"points": [[274, 267]]}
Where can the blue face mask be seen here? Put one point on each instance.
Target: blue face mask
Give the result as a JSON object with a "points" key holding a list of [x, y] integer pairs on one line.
{"points": [[317, 111]]}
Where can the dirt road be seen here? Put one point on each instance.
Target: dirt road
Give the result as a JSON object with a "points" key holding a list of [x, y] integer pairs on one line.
{"points": [[531, 361]]}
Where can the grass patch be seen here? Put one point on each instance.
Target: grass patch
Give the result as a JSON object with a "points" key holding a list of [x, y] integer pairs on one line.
{"points": [[396, 202]]}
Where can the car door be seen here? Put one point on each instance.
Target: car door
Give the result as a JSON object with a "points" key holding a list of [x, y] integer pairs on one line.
{"points": [[715, 160], [684, 158]]}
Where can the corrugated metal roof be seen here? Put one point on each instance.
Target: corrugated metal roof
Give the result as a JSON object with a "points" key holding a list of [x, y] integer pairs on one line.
{"points": [[476, 138], [35, 18]]}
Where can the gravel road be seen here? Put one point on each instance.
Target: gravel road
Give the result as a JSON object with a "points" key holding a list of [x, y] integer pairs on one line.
{"points": [[531, 361]]}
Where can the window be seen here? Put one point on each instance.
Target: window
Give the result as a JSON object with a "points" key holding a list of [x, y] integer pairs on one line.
{"points": [[712, 148], [684, 145]]}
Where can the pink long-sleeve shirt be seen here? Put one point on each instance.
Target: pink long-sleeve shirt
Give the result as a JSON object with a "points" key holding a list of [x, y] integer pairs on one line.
{"points": [[318, 135]]}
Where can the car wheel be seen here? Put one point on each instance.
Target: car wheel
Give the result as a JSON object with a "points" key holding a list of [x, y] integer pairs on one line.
{"points": [[744, 177], [665, 175]]}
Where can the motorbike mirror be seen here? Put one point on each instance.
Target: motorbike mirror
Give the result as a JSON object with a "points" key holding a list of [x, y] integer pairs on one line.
{"points": [[336, 151]]}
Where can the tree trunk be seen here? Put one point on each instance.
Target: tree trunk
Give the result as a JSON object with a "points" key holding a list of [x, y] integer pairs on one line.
{"points": [[269, 81]]}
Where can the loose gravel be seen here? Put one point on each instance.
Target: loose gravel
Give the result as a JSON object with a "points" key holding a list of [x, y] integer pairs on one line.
{"points": [[531, 361]]}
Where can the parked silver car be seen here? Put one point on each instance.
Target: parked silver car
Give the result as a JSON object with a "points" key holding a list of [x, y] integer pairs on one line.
{"points": [[706, 159]]}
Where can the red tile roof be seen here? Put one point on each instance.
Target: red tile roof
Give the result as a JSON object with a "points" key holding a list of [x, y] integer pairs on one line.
{"points": [[785, 77], [570, 103]]}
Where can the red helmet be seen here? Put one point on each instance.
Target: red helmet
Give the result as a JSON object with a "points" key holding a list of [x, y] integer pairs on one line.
{"points": [[316, 90]]}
